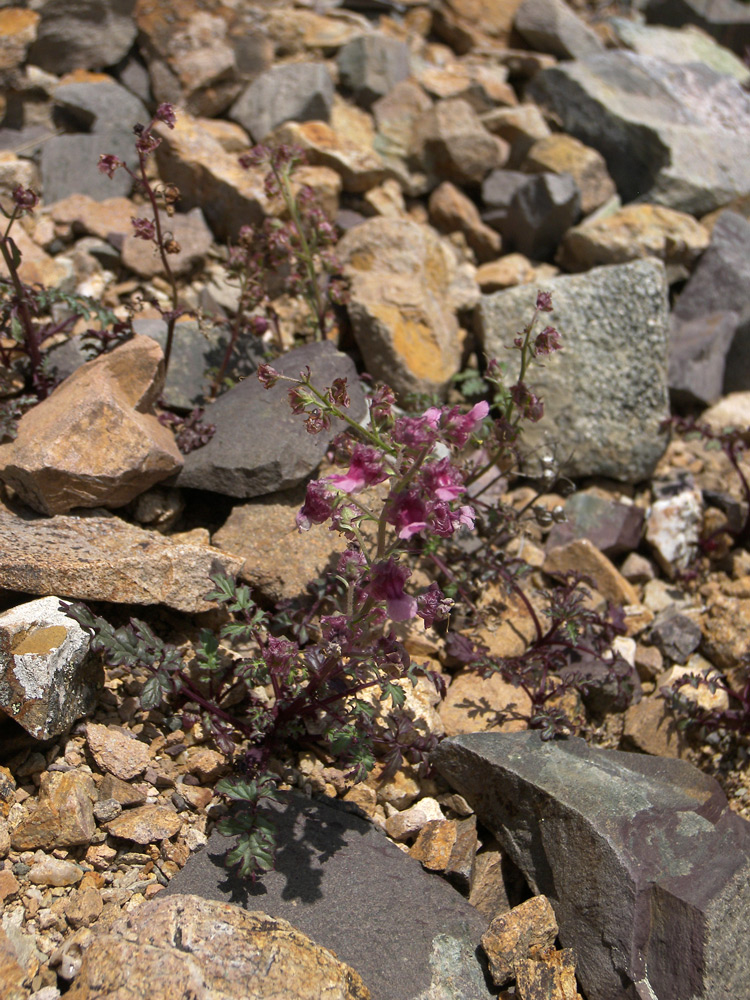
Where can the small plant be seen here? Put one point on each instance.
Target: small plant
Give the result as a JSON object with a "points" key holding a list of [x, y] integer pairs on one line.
{"points": [[693, 716], [152, 230]]}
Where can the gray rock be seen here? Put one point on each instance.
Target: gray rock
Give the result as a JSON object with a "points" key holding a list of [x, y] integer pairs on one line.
{"points": [[83, 34], [721, 279], [70, 165], [686, 45], [728, 21], [93, 106], [540, 214], [341, 881], [450, 143], [612, 526], [675, 635], [551, 26], [737, 369], [299, 92], [605, 393], [49, 677], [607, 687], [673, 135], [697, 357], [260, 446], [371, 65], [644, 863], [499, 188]]}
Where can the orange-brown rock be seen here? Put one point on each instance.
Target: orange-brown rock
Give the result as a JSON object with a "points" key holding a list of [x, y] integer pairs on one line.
{"points": [[94, 442], [64, 815], [473, 704], [95, 218], [358, 165], [17, 32], [551, 976], [564, 154], [522, 933], [449, 847], [191, 947], [584, 557], [452, 211]]}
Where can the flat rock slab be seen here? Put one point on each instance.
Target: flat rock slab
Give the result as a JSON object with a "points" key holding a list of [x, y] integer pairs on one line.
{"points": [[673, 135], [407, 932], [647, 868], [98, 557], [605, 394]]}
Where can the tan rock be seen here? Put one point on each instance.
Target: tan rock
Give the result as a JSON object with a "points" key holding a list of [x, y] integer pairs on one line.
{"points": [[519, 126], [473, 702], [407, 823], [84, 907], [145, 824], [64, 815], [85, 216], [702, 695], [12, 975], [37, 267], [651, 728], [7, 791], [223, 951], [489, 893], [466, 24], [551, 976], [93, 441], [386, 199], [406, 287], [584, 557], [191, 235], [633, 232], [449, 847], [211, 178], [482, 86], [450, 143], [17, 31], [731, 411], [395, 115], [511, 270], [9, 887], [563, 154], [325, 185], [54, 871], [231, 137], [451, 211], [117, 751], [97, 556], [359, 166], [207, 765], [15, 170], [726, 636], [522, 933]]}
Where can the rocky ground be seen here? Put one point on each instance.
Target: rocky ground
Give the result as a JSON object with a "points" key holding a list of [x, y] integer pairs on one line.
{"points": [[470, 153]]}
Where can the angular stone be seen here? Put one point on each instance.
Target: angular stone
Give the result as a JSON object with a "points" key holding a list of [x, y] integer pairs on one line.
{"points": [[608, 686], [187, 946], [86, 216], [449, 847], [584, 557], [406, 824], [210, 178], [95, 556], [609, 319], [613, 527], [701, 695], [686, 44], [48, 675], [69, 165], [83, 33], [450, 143], [672, 135], [737, 368], [524, 932], [521, 127], [191, 234], [673, 527], [395, 115], [721, 279], [650, 728], [84, 907], [552, 976], [117, 753], [452, 211], [18, 29], [299, 92], [563, 154], [268, 525], [633, 232], [699, 365], [93, 104], [12, 975], [359, 167], [371, 65], [473, 703], [725, 20], [675, 635], [280, 453], [406, 288], [94, 441], [465, 24], [340, 879], [551, 26], [656, 889], [489, 893], [53, 871], [64, 815], [510, 270], [145, 824], [540, 213]]}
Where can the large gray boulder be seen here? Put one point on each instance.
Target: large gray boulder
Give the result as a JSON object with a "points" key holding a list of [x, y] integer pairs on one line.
{"points": [[646, 867], [673, 135], [605, 394]]}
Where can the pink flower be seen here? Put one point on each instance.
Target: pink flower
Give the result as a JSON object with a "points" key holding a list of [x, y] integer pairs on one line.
{"points": [[108, 163], [547, 341], [415, 432], [433, 605], [387, 581], [165, 113], [444, 521], [267, 376], [408, 513], [365, 469], [544, 301], [442, 480], [318, 505], [143, 229], [457, 427]]}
